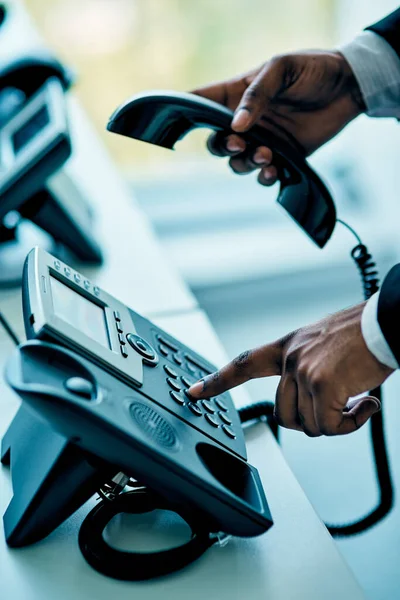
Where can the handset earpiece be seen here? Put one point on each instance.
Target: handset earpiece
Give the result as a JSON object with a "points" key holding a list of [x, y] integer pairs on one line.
{"points": [[164, 117]]}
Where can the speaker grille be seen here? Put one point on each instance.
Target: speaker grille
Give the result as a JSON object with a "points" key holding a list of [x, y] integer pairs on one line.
{"points": [[153, 425]]}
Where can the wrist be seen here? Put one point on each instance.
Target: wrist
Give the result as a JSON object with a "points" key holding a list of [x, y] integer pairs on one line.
{"points": [[351, 87]]}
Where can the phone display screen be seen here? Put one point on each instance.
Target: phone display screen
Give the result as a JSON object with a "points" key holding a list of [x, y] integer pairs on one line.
{"points": [[80, 312]]}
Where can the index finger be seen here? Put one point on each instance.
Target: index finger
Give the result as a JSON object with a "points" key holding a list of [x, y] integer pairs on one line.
{"points": [[264, 361], [229, 92]]}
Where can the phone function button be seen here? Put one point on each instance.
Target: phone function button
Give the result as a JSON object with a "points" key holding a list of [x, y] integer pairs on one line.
{"points": [[96, 290], [212, 420], [177, 397], [224, 417], [67, 271], [80, 387], [208, 406], [119, 327], [169, 371], [77, 278], [57, 265], [229, 431], [195, 408], [141, 346], [123, 351], [86, 284], [117, 316], [187, 381], [174, 384], [191, 368], [188, 396], [178, 359], [163, 349], [167, 343], [121, 339], [221, 404]]}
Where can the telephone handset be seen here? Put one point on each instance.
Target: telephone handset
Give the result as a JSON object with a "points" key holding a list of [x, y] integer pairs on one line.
{"points": [[113, 387], [163, 117]]}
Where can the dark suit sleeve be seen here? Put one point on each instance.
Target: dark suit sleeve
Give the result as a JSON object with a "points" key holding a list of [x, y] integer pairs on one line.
{"points": [[389, 29], [389, 310]]}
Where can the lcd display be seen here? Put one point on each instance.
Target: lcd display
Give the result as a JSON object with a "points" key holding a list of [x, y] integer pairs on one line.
{"points": [[30, 129], [78, 311]]}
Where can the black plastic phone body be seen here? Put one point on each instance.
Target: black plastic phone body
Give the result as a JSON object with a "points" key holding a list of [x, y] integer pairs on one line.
{"points": [[116, 401], [164, 117]]}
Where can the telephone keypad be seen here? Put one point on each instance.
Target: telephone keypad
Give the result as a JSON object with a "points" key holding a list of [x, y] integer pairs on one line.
{"points": [[170, 372], [191, 368], [229, 431], [181, 370], [212, 420], [195, 408], [221, 404], [163, 349], [224, 417], [174, 384], [187, 381], [177, 397], [208, 406], [178, 359], [167, 343]]}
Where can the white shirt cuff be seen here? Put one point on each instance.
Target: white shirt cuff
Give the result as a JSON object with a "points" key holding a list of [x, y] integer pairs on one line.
{"points": [[373, 335], [376, 67]]}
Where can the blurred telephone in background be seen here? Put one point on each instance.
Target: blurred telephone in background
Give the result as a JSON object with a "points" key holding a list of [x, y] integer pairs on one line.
{"points": [[35, 144]]}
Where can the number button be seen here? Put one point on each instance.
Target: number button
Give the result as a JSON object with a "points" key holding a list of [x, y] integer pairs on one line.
{"points": [[224, 417], [212, 420], [169, 371], [208, 406], [195, 408], [178, 399], [229, 431], [221, 404], [174, 384]]}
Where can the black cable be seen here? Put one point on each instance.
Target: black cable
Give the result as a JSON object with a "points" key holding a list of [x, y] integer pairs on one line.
{"points": [[370, 284], [9, 329], [136, 566]]}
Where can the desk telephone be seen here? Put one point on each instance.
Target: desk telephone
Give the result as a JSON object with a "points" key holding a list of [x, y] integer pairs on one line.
{"points": [[108, 388]]}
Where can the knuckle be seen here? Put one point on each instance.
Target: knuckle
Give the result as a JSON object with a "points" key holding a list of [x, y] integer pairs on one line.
{"points": [[291, 360], [327, 429], [302, 372], [318, 383], [312, 434]]}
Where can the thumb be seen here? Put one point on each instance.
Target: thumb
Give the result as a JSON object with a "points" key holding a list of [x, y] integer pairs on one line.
{"points": [[264, 87], [364, 409]]}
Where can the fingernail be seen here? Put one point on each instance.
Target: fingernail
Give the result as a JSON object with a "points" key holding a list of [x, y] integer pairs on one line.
{"points": [[376, 403], [233, 146], [241, 119], [258, 158], [196, 388]]}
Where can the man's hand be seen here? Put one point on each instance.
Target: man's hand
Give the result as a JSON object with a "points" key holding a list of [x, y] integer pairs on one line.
{"points": [[307, 97], [321, 367]]}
